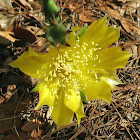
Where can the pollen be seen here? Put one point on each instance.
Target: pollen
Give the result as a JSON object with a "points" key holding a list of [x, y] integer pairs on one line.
{"points": [[72, 66]]}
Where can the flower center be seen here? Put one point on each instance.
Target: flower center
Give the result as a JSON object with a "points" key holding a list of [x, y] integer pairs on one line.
{"points": [[72, 68], [61, 70]]}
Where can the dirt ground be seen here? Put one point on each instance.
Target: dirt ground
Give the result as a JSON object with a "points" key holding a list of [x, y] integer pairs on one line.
{"points": [[22, 19]]}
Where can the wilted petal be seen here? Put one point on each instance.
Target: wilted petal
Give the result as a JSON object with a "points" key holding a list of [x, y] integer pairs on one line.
{"points": [[31, 62], [60, 113], [99, 33], [110, 58], [73, 101], [45, 96], [99, 90]]}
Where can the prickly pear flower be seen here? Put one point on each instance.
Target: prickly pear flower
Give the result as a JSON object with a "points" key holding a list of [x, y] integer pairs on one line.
{"points": [[87, 66]]}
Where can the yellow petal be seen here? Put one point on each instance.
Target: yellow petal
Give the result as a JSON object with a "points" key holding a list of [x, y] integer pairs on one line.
{"points": [[36, 88], [71, 40], [61, 114], [110, 58], [45, 97], [109, 76], [99, 90], [63, 49], [75, 28], [73, 101], [31, 62], [99, 33], [78, 118], [112, 81]]}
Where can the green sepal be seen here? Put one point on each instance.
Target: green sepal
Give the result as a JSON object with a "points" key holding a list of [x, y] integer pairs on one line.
{"points": [[83, 96], [82, 31], [35, 89]]}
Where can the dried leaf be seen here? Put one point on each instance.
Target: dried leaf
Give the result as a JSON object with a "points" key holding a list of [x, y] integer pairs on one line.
{"points": [[24, 35], [7, 61], [112, 4], [85, 18], [26, 4], [126, 25], [6, 20], [30, 126], [23, 105], [136, 29], [71, 7], [36, 7], [5, 4], [10, 91], [14, 136], [40, 40], [122, 10], [133, 49], [35, 30], [5, 125], [112, 12], [117, 15], [131, 8], [138, 50], [124, 1], [2, 99], [7, 35], [82, 15], [124, 123], [36, 133]]}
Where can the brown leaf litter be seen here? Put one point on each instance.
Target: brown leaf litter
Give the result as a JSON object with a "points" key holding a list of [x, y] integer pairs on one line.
{"points": [[22, 20]]}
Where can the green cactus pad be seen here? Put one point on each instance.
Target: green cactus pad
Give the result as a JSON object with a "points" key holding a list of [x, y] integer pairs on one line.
{"points": [[56, 33]]}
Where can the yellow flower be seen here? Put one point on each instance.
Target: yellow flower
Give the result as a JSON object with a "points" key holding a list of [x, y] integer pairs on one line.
{"points": [[87, 66]]}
